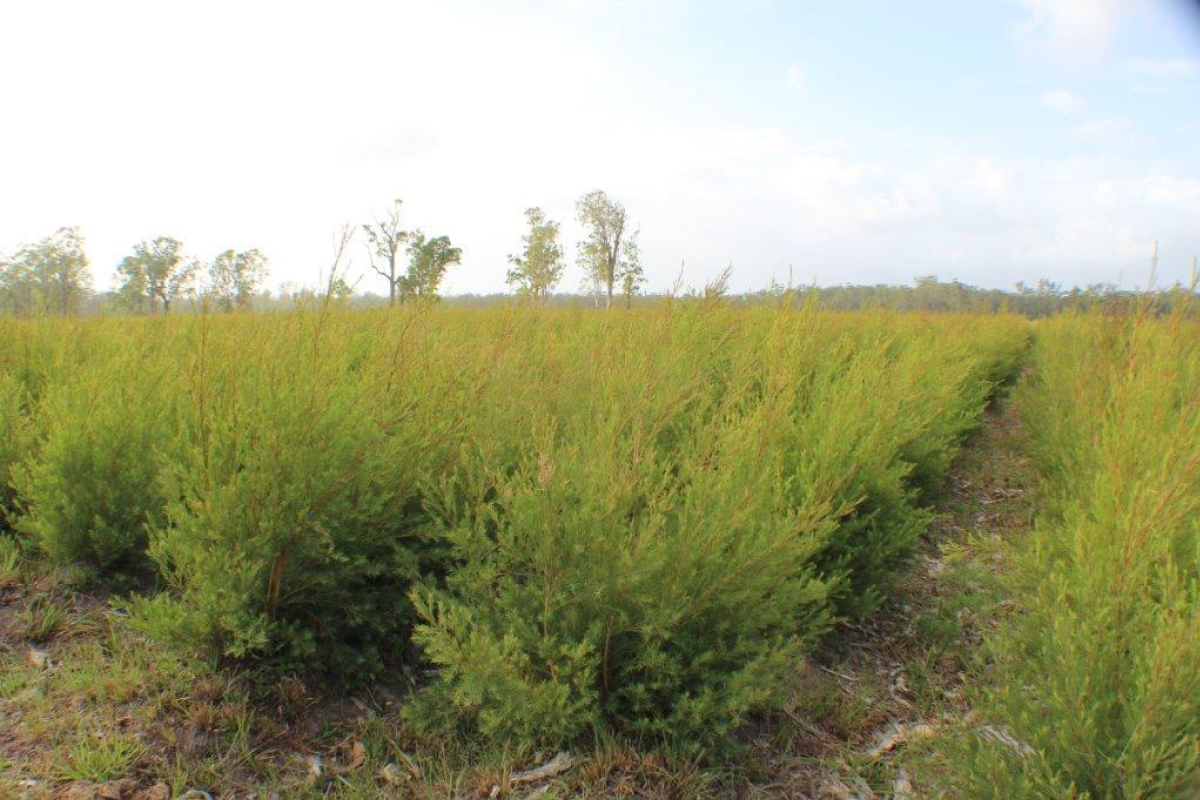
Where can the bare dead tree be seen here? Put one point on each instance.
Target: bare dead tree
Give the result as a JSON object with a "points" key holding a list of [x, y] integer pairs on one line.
{"points": [[335, 283], [385, 244]]}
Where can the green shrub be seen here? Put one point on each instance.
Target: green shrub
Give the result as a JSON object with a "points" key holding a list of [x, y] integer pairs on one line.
{"points": [[1097, 678], [90, 489], [642, 569], [699, 485], [633, 521], [884, 412], [13, 443], [294, 528]]}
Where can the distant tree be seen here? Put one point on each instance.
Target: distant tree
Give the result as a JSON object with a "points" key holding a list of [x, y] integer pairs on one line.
{"points": [[632, 276], [234, 277], [539, 267], [428, 261], [50, 277], [336, 286], [606, 254], [17, 296], [385, 241], [155, 276]]}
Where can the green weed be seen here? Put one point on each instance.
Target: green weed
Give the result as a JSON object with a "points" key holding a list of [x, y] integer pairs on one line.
{"points": [[97, 758], [10, 560], [43, 618]]}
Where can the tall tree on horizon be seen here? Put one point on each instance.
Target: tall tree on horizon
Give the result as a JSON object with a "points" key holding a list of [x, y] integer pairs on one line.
{"points": [[234, 276], [608, 252], [385, 240], [156, 274], [50, 277], [539, 268], [428, 261]]}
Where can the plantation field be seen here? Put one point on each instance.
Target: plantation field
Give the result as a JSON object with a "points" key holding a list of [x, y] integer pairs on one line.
{"points": [[699, 550]]}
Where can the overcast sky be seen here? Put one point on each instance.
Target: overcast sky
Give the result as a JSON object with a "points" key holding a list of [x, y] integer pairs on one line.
{"points": [[992, 141]]}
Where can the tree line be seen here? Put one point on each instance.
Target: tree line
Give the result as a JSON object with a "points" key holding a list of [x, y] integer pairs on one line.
{"points": [[608, 256], [53, 277]]}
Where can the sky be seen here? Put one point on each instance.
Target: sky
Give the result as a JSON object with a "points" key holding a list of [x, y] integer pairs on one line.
{"points": [[859, 141]]}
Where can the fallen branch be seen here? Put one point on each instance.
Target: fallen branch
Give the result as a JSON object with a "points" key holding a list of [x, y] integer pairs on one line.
{"points": [[555, 766]]}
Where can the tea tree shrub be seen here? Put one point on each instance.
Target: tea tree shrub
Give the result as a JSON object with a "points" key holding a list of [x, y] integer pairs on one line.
{"points": [[634, 521], [641, 569], [702, 487], [90, 488], [13, 439], [885, 409], [26, 350], [1097, 677], [295, 526]]}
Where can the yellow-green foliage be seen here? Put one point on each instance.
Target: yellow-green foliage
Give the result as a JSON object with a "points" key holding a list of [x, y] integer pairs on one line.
{"points": [[695, 495], [631, 519], [13, 438], [1098, 679], [105, 424], [295, 524]]}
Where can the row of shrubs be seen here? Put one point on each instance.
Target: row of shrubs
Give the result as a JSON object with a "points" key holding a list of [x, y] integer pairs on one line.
{"points": [[582, 521], [1096, 681]]}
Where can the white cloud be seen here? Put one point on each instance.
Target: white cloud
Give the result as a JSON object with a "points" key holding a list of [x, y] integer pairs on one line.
{"points": [[1169, 191], [1111, 131], [772, 200], [327, 123], [1074, 29], [297, 134], [1063, 102], [795, 76], [1164, 67]]}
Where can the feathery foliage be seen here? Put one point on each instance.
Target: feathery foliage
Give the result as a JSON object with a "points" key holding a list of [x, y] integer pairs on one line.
{"points": [[1096, 680], [633, 521], [697, 495], [89, 491], [13, 439]]}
